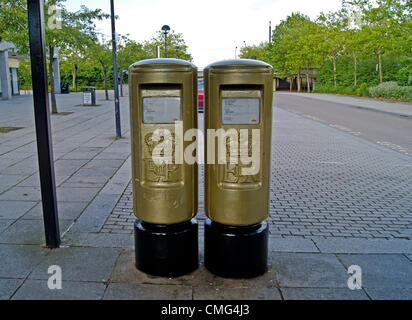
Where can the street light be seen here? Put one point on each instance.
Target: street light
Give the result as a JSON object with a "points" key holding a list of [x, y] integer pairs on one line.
{"points": [[177, 51], [236, 52], [165, 30]]}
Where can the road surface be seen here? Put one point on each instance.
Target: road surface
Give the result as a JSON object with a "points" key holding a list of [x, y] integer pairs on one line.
{"points": [[386, 129]]}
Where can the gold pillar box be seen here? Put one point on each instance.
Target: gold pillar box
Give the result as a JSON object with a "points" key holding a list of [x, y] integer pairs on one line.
{"points": [[162, 91], [238, 95]]}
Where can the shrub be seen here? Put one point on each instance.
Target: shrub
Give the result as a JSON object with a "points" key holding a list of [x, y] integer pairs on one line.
{"points": [[351, 90], [392, 90], [362, 90]]}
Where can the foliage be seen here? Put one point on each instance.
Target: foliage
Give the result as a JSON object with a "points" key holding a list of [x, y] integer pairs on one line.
{"points": [[250, 52], [392, 90], [173, 39]]}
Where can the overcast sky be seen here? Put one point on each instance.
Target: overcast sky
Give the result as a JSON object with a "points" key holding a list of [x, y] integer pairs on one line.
{"points": [[211, 28]]}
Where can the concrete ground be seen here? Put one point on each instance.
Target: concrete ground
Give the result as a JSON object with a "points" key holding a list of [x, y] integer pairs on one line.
{"points": [[337, 200]]}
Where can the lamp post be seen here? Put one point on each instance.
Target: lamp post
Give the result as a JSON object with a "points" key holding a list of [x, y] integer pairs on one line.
{"points": [[75, 75], [115, 77], [270, 31], [177, 51], [165, 30], [236, 52]]}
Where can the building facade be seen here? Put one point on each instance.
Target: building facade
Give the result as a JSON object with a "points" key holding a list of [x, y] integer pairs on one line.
{"points": [[9, 70]]}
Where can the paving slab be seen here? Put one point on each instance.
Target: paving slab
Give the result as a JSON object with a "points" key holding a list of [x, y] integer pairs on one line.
{"points": [[389, 293], [127, 291], [34, 180], [381, 270], [22, 194], [17, 261], [79, 264], [5, 223], [76, 194], [71, 290], [8, 287], [236, 294], [98, 240], [292, 244], [95, 215], [125, 272], [68, 167], [79, 155], [84, 182], [28, 232], [336, 245], [10, 209], [108, 155], [100, 163], [66, 210], [18, 170], [8, 181], [323, 294], [95, 172], [93, 218], [309, 270]]}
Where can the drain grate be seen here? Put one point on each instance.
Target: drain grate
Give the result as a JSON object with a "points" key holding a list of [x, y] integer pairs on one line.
{"points": [[8, 129]]}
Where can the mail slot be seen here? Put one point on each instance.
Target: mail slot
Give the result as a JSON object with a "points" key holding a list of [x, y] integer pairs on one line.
{"points": [[163, 97], [238, 122]]}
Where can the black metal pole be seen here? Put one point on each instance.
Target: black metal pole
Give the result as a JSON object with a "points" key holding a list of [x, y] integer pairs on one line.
{"points": [[42, 121], [270, 31], [116, 80], [75, 75], [165, 44]]}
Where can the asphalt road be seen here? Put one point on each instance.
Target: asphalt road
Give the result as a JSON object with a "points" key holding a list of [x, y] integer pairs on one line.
{"points": [[389, 130]]}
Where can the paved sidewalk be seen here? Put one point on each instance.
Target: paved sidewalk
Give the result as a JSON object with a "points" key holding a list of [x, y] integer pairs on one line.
{"points": [[399, 108], [325, 185]]}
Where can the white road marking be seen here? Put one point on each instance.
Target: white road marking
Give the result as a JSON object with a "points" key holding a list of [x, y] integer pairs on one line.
{"points": [[343, 128], [393, 146]]}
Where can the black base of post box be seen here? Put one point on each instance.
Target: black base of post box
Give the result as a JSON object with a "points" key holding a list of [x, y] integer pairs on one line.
{"points": [[166, 250], [236, 252]]}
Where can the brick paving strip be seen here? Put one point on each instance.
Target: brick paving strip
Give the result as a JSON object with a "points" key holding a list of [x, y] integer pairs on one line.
{"points": [[336, 201]]}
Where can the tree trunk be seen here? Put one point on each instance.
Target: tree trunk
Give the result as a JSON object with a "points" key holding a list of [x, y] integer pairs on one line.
{"points": [[52, 93], [121, 83], [334, 71], [299, 80], [74, 78], [307, 81], [290, 84], [106, 92], [380, 67], [314, 84], [355, 58]]}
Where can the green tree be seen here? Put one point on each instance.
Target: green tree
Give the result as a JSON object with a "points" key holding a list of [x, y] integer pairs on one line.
{"points": [[333, 28], [102, 53], [173, 40], [129, 51], [64, 29], [256, 51], [294, 47], [387, 26]]}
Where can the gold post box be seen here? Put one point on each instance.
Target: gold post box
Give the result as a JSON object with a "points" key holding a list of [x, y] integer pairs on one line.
{"points": [[238, 122], [163, 105]]}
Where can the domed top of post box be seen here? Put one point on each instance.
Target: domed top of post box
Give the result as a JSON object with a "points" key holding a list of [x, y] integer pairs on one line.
{"points": [[239, 63], [160, 62]]}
